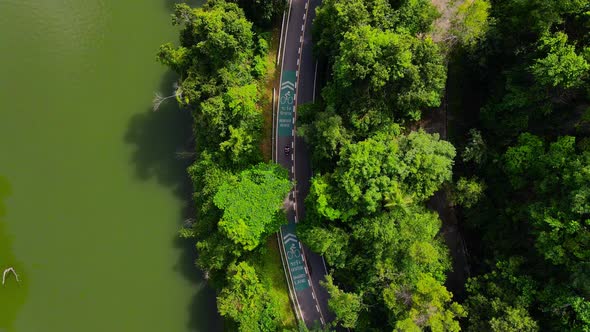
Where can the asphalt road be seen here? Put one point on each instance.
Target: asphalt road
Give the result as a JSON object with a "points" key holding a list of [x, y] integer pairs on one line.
{"points": [[298, 71]]}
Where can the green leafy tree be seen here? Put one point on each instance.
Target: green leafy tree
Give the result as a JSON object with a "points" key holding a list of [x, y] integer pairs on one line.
{"points": [[521, 160], [500, 300], [330, 242], [333, 19], [567, 310], [215, 251], [246, 301], [558, 211], [406, 72], [468, 192], [262, 12], [471, 22], [427, 304], [217, 32], [371, 173], [221, 38], [176, 58], [563, 66], [251, 203], [400, 242], [327, 134], [414, 16], [475, 149], [346, 306], [238, 145], [232, 122]]}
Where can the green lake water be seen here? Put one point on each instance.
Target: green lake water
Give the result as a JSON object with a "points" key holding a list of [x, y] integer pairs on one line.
{"points": [[91, 191]]}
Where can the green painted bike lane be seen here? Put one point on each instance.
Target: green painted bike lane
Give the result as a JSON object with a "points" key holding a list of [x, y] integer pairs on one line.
{"points": [[291, 243], [295, 258], [287, 104]]}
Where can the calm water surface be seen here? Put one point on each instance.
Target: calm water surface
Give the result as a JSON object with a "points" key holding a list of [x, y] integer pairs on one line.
{"points": [[91, 193]]}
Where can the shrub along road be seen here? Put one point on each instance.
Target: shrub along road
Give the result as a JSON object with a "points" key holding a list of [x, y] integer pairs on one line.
{"points": [[298, 71]]}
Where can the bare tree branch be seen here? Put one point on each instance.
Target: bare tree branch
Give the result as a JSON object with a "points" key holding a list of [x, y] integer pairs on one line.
{"points": [[8, 270]]}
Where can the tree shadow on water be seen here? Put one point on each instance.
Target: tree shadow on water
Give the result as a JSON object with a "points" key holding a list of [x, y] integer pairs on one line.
{"points": [[157, 137], [203, 307]]}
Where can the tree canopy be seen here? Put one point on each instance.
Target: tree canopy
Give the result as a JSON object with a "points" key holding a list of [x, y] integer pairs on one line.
{"points": [[406, 72], [386, 170], [366, 205], [250, 204], [526, 163], [220, 62], [246, 301]]}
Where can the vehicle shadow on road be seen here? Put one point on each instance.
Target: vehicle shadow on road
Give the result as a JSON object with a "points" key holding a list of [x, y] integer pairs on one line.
{"points": [[163, 142]]}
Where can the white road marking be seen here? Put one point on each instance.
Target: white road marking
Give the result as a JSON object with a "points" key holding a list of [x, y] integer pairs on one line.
{"points": [[302, 26], [301, 38], [295, 218], [299, 51], [291, 157], [281, 39], [298, 62], [317, 308], [315, 74], [292, 145], [304, 15], [312, 294], [322, 320]]}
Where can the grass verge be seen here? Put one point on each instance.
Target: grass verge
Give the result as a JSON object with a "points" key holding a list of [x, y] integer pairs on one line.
{"points": [[270, 269], [265, 86]]}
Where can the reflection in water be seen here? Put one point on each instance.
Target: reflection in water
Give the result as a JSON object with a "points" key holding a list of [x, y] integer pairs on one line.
{"points": [[12, 294], [156, 138]]}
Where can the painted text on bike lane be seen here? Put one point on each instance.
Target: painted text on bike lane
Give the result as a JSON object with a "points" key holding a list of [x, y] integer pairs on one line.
{"points": [[286, 103], [295, 258]]}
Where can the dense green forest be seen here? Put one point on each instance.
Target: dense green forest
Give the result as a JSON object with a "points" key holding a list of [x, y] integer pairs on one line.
{"points": [[522, 119], [366, 208], [517, 97], [238, 198], [512, 77]]}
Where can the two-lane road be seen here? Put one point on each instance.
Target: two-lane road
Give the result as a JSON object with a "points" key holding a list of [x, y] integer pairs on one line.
{"points": [[297, 86]]}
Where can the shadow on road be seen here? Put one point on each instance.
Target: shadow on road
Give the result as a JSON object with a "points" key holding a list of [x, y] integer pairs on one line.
{"points": [[157, 137]]}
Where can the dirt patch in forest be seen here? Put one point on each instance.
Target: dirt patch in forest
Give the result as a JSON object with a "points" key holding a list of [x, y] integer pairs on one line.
{"points": [[448, 12]]}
